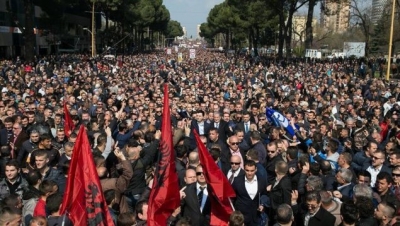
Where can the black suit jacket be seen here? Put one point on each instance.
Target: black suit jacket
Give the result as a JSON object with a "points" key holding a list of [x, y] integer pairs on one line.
{"points": [[281, 193], [243, 202], [181, 171], [240, 174], [21, 138], [240, 126], [223, 130], [3, 137], [191, 208], [195, 126], [322, 217]]}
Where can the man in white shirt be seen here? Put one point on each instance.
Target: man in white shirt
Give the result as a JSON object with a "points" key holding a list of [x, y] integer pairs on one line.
{"points": [[250, 193]]}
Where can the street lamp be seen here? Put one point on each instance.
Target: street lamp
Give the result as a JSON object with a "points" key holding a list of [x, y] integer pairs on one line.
{"points": [[93, 33], [86, 29], [390, 41]]}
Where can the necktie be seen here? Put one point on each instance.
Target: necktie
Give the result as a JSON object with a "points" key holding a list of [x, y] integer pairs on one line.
{"points": [[246, 127], [200, 196], [232, 176]]}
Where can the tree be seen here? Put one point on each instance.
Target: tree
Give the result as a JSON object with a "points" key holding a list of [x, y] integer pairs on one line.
{"points": [[26, 27], [361, 16], [309, 29], [174, 29]]}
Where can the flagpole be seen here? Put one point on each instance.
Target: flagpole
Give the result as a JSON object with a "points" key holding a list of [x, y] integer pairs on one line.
{"points": [[230, 202], [63, 221], [390, 41]]}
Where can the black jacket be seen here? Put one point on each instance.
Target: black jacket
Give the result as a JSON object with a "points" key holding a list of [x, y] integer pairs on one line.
{"points": [[281, 193], [191, 208], [243, 202]]}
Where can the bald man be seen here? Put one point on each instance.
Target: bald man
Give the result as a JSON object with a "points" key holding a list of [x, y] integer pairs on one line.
{"points": [[193, 160], [235, 169], [190, 176]]}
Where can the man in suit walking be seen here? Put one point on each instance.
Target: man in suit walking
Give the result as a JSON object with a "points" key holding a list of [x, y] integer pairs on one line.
{"points": [[235, 170], [250, 194], [221, 126], [196, 201]]}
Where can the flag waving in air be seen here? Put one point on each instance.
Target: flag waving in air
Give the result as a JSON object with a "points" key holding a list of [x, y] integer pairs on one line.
{"points": [[219, 187], [279, 120], [83, 200], [164, 196], [68, 124]]}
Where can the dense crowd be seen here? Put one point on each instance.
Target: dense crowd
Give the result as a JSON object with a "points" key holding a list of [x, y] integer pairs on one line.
{"points": [[341, 167]]}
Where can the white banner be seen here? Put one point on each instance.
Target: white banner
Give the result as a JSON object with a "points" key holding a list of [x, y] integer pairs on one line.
{"points": [[192, 53], [313, 53], [354, 48], [169, 51]]}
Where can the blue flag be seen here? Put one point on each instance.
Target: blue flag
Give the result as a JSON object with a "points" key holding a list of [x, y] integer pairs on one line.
{"points": [[279, 120]]}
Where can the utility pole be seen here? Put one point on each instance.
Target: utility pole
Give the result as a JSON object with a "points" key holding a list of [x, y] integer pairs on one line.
{"points": [[390, 41], [93, 31]]}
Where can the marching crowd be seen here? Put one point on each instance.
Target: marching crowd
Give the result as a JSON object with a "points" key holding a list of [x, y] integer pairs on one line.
{"points": [[339, 165]]}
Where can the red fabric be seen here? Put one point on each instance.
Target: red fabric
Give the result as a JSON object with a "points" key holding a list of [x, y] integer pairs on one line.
{"points": [[40, 208], [28, 68], [219, 186], [384, 129], [68, 124], [164, 196], [83, 200]]}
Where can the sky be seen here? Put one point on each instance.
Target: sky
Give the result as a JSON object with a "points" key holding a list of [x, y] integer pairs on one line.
{"points": [[190, 13]]}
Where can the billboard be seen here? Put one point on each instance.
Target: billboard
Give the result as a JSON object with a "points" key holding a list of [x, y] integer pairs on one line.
{"points": [[313, 53], [354, 48]]}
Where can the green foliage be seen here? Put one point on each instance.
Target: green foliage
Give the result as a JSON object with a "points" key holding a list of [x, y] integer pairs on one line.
{"points": [[174, 29]]}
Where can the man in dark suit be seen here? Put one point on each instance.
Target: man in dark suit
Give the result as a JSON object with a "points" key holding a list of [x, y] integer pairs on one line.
{"points": [[257, 145], [196, 202], [18, 138], [245, 126], [315, 215], [221, 126], [272, 159], [214, 138], [215, 153], [250, 194], [235, 170], [280, 190], [200, 125], [180, 151], [6, 134], [345, 188]]}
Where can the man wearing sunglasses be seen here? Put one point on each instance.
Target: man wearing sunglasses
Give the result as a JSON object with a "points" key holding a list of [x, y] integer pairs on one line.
{"points": [[196, 202], [235, 169]]}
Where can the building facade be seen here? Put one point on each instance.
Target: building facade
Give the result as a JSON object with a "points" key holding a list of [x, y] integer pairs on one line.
{"points": [[299, 27], [12, 43], [335, 15], [378, 8]]}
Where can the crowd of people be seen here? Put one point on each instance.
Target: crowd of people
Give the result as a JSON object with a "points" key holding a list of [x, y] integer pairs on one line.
{"points": [[341, 167]]}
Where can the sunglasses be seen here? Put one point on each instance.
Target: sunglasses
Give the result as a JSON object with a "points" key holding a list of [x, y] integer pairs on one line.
{"points": [[395, 174], [235, 163], [272, 152], [235, 143], [199, 173]]}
